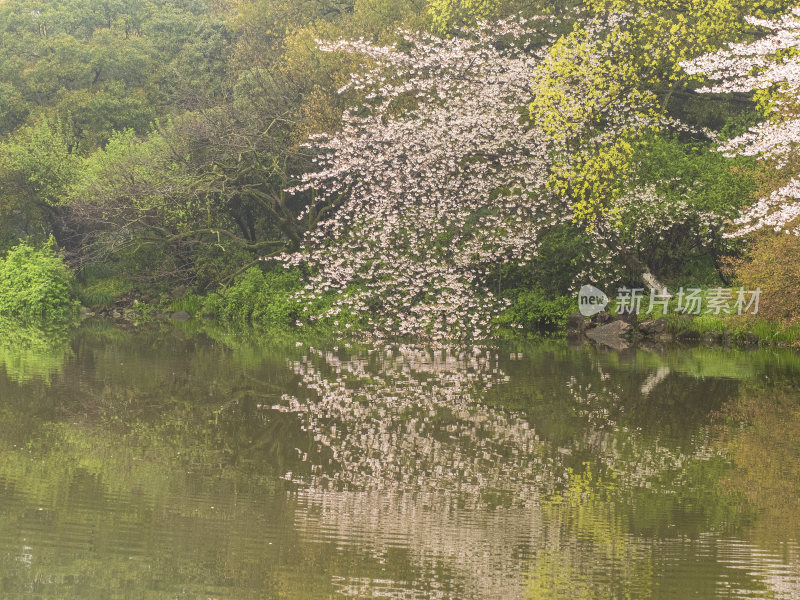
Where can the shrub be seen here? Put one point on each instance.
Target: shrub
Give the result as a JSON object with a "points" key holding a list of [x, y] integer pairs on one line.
{"points": [[267, 300], [264, 299], [36, 285], [773, 265], [535, 312]]}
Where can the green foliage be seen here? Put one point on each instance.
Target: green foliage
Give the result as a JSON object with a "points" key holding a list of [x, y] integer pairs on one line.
{"points": [[707, 323], [771, 331], [534, 311], [36, 286], [108, 65], [449, 14], [103, 292], [266, 301], [191, 303], [662, 34], [558, 262], [693, 171], [39, 160], [257, 298], [165, 133], [38, 163]]}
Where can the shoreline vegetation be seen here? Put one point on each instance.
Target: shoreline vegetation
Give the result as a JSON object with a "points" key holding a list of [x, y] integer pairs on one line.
{"points": [[42, 294], [445, 171]]}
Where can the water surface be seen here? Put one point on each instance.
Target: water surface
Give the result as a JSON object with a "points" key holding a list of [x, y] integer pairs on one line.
{"points": [[173, 463]]}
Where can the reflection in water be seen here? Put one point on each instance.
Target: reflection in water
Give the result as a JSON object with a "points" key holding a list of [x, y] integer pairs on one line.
{"points": [[164, 465], [404, 419], [28, 353], [409, 453]]}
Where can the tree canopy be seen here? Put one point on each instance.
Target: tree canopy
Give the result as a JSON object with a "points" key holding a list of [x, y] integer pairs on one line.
{"points": [[420, 164]]}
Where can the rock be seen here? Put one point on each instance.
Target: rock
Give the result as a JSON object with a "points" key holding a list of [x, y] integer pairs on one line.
{"points": [[181, 316], [576, 323], [179, 292], [712, 337], [129, 314], [749, 340], [611, 334], [726, 338], [653, 327], [616, 328], [208, 315], [601, 317], [631, 319]]}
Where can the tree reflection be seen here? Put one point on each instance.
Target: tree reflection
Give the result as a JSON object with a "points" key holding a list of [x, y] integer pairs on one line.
{"points": [[393, 471], [28, 353]]}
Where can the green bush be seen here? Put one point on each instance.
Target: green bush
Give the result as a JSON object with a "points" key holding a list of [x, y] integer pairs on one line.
{"points": [[257, 298], [536, 312], [36, 285]]}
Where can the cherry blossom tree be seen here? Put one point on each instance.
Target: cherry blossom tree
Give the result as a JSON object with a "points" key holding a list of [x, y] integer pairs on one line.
{"points": [[432, 178], [441, 175], [770, 66]]}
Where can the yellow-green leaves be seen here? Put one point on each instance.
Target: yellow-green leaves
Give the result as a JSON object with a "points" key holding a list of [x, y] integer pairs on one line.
{"points": [[664, 33], [448, 14], [593, 180], [588, 102]]}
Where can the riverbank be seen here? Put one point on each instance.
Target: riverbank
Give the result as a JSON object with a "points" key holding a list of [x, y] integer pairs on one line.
{"points": [[618, 331], [604, 329]]}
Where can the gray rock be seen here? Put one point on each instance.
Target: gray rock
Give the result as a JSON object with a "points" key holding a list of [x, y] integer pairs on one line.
{"points": [[601, 317], [749, 340], [181, 316], [612, 334], [653, 327], [576, 323], [615, 328], [631, 318]]}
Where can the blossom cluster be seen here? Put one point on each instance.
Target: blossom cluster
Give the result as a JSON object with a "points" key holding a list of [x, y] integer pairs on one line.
{"points": [[440, 176], [772, 64], [439, 169], [410, 443]]}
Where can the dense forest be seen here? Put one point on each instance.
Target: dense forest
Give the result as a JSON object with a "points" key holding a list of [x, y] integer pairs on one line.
{"points": [[440, 168]]}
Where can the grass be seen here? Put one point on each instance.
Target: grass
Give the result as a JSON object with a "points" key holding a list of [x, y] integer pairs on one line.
{"points": [[104, 292]]}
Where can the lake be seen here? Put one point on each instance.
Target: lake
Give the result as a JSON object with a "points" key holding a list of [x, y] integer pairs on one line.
{"points": [[176, 462]]}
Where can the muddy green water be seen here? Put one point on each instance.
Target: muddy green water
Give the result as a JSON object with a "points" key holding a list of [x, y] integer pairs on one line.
{"points": [[172, 464]]}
